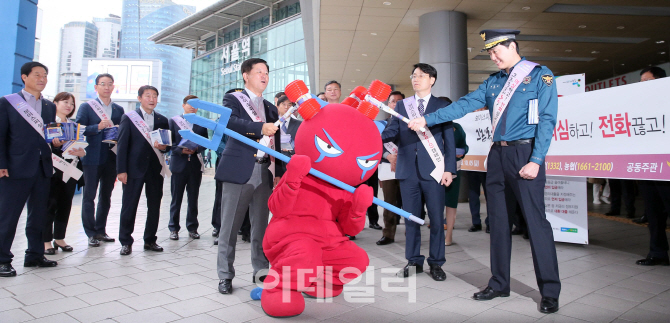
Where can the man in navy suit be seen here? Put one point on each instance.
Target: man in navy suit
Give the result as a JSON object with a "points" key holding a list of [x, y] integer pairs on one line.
{"points": [[419, 174], [137, 164], [245, 172], [25, 167], [100, 161], [187, 167]]}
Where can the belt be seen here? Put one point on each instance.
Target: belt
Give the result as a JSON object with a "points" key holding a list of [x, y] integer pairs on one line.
{"points": [[513, 143], [263, 160]]}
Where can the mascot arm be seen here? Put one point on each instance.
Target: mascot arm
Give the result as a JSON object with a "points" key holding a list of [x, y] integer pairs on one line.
{"points": [[286, 193], [352, 220]]}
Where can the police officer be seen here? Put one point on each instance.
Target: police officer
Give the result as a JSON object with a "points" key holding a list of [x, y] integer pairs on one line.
{"points": [[523, 123]]}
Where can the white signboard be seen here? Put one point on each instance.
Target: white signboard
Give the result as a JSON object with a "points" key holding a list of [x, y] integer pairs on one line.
{"points": [[570, 84], [566, 210], [234, 53], [628, 78]]}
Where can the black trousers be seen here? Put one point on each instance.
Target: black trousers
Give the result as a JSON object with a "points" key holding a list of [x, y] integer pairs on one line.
{"points": [[95, 221], [373, 212], [475, 181], [622, 190], [14, 193], [58, 209], [656, 207], [132, 192], [189, 180], [504, 164], [412, 190]]}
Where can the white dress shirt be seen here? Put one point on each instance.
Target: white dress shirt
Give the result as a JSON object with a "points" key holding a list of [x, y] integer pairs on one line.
{"points": [[35, 103], [257, 103], [148, 118], [425, 101]]}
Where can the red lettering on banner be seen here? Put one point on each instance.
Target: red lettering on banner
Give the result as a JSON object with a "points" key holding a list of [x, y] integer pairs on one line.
{"points": [[621, 124], [604, 124], [563, 133]]}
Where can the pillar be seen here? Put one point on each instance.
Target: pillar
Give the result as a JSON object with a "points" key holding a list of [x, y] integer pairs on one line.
{"points": [[443, 44]]}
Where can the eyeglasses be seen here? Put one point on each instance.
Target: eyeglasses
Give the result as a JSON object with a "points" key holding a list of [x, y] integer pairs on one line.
{"points": [[417, 76], [103, 84]]}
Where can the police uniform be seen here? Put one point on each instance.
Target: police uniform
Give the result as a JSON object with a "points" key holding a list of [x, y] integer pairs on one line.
{"points": [[517, 141]]}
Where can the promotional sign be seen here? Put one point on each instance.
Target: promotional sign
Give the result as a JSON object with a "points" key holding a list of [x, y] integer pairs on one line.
{"points": [[566, 210], [570, 84], [628, 78]]}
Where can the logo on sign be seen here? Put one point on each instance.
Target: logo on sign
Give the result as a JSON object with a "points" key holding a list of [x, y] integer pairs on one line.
{"points": [[573, 230]]}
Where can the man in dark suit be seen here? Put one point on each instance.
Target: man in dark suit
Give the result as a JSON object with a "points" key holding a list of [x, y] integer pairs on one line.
{"points": [[288, 129], [187, 167], [100, 161], [138, 163], [422, 174], [246, 172], [25, 167]]}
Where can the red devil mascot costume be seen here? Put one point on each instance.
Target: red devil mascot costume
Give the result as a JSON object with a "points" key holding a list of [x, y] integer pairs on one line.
{"points": [[305, 241]]}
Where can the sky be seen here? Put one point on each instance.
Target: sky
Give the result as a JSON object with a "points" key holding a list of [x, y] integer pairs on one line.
{"points": [[57, 13]]}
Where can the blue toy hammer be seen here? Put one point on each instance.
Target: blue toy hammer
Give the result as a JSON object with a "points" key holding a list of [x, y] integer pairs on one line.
{"points": [[220, 129]]}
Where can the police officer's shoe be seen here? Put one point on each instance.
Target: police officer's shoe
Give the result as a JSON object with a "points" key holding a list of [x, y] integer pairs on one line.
{"points": [[641, 220], [194, 235], [405, 272], [6, 270], [475, 228], [126, 250], [174, 235], [653, 261], [44, 262], [488, 229], [226, 286], [488, 294], [437, 273], [215, 233], [548, 305], [153, 247], [93, 242], [104, 237], [384, 241]]}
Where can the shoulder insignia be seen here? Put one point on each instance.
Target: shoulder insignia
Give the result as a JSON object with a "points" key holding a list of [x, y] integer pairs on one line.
{"points": [[547, 79], [526, 80]]}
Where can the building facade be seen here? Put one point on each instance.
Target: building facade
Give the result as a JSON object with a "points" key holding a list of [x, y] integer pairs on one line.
{"points": [[140, 20], [109, 35], [79, 40], [18, 41]]}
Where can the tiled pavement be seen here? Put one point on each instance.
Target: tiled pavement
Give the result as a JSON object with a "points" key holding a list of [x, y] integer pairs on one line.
{"points": [[601, 283]]}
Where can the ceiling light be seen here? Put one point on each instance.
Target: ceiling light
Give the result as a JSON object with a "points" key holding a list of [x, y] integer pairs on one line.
{"points": [[353, 81], [568, 50], [623, 64], [606, 60], [536, 49], [358, 70], [620, 27], [582, 26], [595, 52], [365, 55], [662, 53], [660, 41], [525, 8], [386, 3], [373, 34]]}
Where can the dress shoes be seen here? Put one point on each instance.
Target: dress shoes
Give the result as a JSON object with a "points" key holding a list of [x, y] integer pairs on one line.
{"points": [[153, 247], [104, 237], [384, 241], [488, 294], [548, 305], [50, 251], [641, 220], [405, 272], [631, 215], [226, 286], [375, 226], [652, 261], [611, 213], [126, 250], [517, 232], [194, 235], [437, 273], [215, 233], [246, 238], [6, 270], [350, 237], [93, 242], [262, 278], [174, 235], [488, 229], [525, 235], [216, 242], [44, 262], [475, 228], [66, 248]]}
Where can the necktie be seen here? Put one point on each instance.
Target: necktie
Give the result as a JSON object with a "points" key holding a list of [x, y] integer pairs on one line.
{"points": [[283, 128], [421, 108]]}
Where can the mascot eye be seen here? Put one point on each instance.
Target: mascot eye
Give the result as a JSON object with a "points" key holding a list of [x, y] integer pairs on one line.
{"points": [[366, 164], [326, 149]]}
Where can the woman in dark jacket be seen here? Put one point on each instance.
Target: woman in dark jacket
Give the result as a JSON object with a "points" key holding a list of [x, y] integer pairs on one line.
{"points": [[61, 193]]}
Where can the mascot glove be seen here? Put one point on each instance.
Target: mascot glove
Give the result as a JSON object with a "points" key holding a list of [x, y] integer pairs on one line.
{"points": [[361, 201], [296, 169]]}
